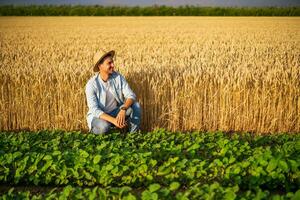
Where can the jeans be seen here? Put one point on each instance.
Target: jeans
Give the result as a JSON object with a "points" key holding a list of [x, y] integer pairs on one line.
{"points": [[133, 118]]}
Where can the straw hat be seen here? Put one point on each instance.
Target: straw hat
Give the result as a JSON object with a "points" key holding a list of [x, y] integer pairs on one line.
{"points": [[99, 56]]}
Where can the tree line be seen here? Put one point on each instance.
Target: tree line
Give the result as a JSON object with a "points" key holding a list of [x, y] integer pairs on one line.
{"points": [[96, 10]]}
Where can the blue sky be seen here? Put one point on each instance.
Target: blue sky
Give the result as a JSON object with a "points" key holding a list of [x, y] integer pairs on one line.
{"points": [[238, 3]]}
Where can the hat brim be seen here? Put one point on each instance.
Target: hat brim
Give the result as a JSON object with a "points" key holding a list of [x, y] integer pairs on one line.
{"points": [[110, 53]]}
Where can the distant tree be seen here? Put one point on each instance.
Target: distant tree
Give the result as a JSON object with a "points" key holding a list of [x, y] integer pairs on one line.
{"points": [[96, 10]]}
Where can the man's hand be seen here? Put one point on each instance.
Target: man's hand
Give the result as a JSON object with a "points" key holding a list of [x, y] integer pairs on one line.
{"points": [[120, 119], [115, 120]]}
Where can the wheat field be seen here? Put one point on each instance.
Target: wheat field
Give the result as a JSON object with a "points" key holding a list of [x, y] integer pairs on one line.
{"points": [[189, 73]]}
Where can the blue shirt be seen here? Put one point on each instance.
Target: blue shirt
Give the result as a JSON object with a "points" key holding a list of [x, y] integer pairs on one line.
{"points": [[96, 94]]}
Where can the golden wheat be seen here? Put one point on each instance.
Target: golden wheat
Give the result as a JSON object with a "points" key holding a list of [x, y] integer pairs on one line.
{"points": [[204, 73]]}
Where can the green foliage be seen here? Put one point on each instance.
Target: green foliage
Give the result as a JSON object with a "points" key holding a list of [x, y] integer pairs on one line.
{"points": [[154, 165], [174, 186], [95, 10]]}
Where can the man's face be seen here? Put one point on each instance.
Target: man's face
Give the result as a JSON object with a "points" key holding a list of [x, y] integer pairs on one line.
{"points": [[108, 65]]}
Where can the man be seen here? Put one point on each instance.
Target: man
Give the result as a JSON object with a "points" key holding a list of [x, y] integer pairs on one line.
{"points": [[110, 100]]}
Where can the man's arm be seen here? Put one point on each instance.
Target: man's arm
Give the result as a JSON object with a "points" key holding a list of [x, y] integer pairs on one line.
{"points": [[122, 114], [93, 106], [108, 118], [128, 103], [112, 120], [130, 99], [92, 100], [119, 121], [126, 90]]}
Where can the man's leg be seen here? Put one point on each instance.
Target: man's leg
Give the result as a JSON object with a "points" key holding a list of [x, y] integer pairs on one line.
{"points": [[100, 126], [115, 113], [135, 117]]}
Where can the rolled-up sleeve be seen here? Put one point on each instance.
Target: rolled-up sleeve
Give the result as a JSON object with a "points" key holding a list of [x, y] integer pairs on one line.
{"points": [[126, 90], [92, 102]]}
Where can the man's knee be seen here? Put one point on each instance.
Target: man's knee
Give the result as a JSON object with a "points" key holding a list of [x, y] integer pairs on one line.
{"points": [[136, 109], [135, 118], [128, 112], [100, 126]]}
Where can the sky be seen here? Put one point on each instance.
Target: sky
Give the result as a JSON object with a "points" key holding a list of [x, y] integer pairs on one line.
{"points": [[221, 3]]}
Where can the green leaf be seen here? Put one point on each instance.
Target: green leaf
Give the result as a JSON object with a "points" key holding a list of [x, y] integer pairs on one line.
{"points": [[272, 165], [16, 154], [225, 160], [245, 164], [83, 153], [230, 193], [193, 147], [276, 197], [174, 186], [146, 195], [237, 170], [154, 196], [126, 189], [262, 161], [154, 187], [93, 194], [102, 194], [55, 153], [294, 165], [153, 162], [283, 165], [8, 158], [115, 190], [296, 195], [165, 191], [231, 159], [129, 197], [67, 190], [218, 162], [46, 166], [11, 190], [96, 159], [181, 196], [162, 170], [109, 167], [47, 157], [149, 177]]}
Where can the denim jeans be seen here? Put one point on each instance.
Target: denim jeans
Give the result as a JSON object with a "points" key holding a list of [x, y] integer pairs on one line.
{"points": [[133, 118]]}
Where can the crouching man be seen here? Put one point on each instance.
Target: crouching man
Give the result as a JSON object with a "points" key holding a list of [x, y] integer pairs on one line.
{"points": [[110, 100]]}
